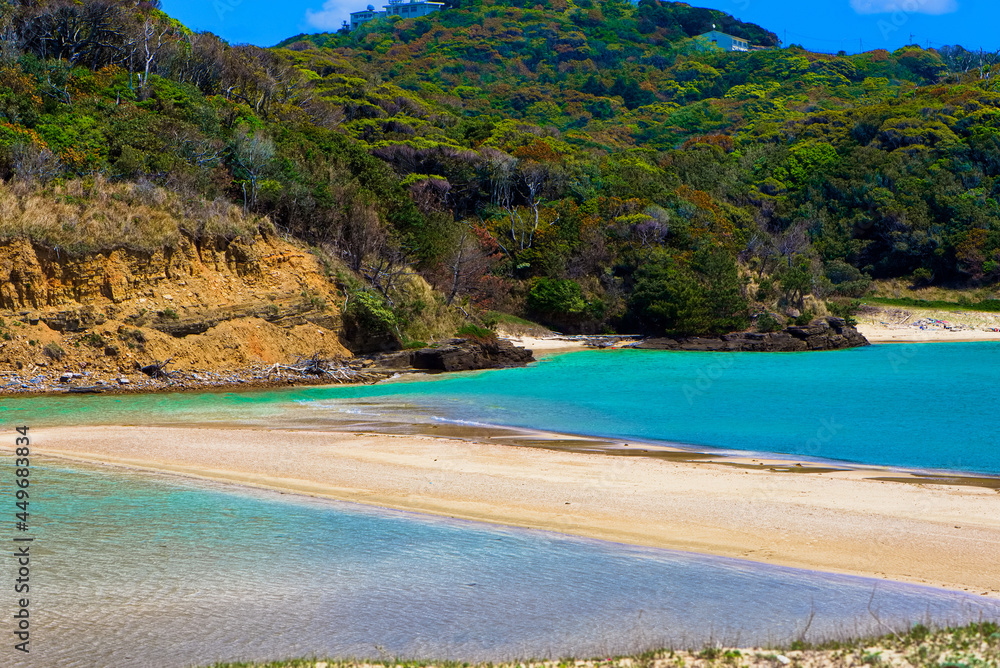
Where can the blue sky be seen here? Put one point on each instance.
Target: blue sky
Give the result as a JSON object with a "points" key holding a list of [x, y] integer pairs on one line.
{"points": [[820, 25]]}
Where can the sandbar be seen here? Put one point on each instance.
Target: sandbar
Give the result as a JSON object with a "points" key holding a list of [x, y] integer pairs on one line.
{"points": [[843, 521]]}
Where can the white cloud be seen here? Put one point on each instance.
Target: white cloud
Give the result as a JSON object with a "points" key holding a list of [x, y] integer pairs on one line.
{"points": [[333, 14], [906, 6]]}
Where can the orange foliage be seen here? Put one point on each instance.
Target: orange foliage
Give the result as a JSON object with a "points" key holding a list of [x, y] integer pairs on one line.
{"points": [[717, 222], [28, 134], [20, 83], [538, 150], [725, 142], [699, 198]]}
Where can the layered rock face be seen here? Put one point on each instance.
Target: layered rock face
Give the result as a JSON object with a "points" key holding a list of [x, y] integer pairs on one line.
{"points": [[820, 334], [179, 291], [211, 305]]}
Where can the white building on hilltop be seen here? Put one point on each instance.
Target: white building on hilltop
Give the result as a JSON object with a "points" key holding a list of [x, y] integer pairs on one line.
{"points": [[722, 41], [357, 18], [407, 10]]}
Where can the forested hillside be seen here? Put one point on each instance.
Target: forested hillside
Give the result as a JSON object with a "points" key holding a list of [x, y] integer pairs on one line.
{"points": [[586, 164]]}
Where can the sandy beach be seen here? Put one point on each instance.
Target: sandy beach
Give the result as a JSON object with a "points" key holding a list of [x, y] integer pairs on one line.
{"points": [[914, 325], [884, 334], [547, 345], [841, 521]]}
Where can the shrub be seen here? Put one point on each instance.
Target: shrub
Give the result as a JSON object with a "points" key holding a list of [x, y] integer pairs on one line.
{"points": [[847, 280], [133, 338], [312, 300], [55, 351], [765, 289], [804, 319], [170, 314], [556, 297], [476, 333], [689, 298], [766, 322], [371, 313], [923, 276], [94, 340], [845, 309]]}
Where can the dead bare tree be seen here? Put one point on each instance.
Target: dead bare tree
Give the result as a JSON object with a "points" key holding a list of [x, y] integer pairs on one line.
{"points": [[362, 234], [466, 252], [34, 163], [157, 370], [517, 187], [252, 153], [150, 44], [987, 61], [793, 241], [759, 251], [9, 36]]}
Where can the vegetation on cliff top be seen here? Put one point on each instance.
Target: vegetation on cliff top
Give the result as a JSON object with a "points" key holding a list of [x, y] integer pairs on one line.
{"points": [[580, 162], [88, 215]]}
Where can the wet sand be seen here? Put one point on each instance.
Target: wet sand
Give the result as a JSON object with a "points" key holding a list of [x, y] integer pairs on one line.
{"points": [[942, 531]]}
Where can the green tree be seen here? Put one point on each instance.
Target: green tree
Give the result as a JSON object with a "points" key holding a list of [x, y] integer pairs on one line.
{"points": [[796, 281], [557, 300], [702, 296]]}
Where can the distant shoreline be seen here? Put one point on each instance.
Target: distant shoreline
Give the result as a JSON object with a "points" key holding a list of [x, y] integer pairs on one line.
{"points": [[888, 324], [857, 521], [256, 378], [882, 335]]}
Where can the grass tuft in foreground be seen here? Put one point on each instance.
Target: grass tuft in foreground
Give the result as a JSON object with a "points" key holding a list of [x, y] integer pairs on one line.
{"points": [[972, 646]]}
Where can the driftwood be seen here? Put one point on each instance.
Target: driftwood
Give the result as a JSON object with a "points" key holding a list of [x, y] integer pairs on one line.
{"points": [[156, 370], [316, 366]]}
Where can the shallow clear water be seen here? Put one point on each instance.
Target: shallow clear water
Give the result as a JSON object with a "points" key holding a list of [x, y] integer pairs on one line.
{"points": [[135, 569], [917, 405]]}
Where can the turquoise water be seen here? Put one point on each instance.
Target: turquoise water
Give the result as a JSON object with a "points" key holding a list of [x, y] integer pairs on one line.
{"points": [[930, 406], [136, 569]]}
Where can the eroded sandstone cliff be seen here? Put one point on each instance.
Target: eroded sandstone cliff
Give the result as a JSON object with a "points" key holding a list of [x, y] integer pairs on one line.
{"points": [[212, 304]]}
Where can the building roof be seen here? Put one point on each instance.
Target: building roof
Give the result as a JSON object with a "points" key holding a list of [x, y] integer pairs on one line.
{"points": [[723, 34]]}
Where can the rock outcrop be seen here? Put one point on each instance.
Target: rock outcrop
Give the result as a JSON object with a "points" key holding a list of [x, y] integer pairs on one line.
{"points": [[820, 334], [459, 355]]}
